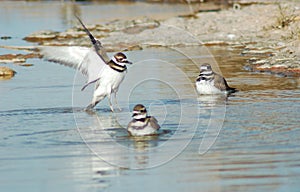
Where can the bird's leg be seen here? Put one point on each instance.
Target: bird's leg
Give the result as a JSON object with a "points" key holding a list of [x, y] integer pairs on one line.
{"points": [[116, 101], [110, 104], [91, 106]]}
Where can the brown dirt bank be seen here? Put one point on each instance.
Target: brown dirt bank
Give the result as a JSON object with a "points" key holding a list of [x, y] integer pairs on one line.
{"points": [[269, 33]]}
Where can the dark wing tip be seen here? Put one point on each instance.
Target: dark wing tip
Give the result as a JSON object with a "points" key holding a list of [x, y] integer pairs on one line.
{"points": [[92, 38], [232, 90]]}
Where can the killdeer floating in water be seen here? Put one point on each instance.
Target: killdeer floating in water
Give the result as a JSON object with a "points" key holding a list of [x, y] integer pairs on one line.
{"points": [[209, 82], [106, 73], [141, 124]]}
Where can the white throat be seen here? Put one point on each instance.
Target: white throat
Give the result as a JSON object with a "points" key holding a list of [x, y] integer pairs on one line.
{"points": [[140, 116]]}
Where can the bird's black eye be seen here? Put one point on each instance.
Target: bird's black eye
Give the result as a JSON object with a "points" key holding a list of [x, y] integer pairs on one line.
{"points": [[143, 110]]}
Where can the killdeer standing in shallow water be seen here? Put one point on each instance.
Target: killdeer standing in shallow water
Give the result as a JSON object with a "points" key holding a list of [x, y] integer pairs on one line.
{"points": [[209, 82], [141, 124], [94, 63]]}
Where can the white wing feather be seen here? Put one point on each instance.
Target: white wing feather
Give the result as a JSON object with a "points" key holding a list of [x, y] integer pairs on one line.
{"points": [[92, 66], [69, 56], [86, 60]]}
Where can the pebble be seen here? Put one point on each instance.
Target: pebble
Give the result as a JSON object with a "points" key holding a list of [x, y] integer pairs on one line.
{"points": [[5, 71], [17, 58], [25, 64], [5, 37], [41, 35], [258, 52]]}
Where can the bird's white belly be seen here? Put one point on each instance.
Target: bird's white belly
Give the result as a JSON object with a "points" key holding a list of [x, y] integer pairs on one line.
{"points": [[148, 130], [110, 81], [206, 87]]}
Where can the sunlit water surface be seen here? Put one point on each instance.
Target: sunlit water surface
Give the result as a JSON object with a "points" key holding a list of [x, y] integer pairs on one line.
{"points": [[49, 143]]}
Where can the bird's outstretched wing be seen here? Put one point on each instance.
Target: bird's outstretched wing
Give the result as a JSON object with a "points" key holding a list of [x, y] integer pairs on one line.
{"points": [[92, 66], [86, 60], [69, 56], [96, 43], [90, 62]]}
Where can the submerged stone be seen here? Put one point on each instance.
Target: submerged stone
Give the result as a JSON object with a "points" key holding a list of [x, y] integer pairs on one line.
{"points": [[7, 72], [5, 37], [41, 35], [17, 58]]}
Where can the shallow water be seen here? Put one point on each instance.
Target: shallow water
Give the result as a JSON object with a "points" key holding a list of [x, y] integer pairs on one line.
{"points": [[49, 143]]}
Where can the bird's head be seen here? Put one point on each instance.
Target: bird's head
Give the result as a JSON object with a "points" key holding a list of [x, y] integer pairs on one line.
{"points": [[121, 59], [139, 112]]}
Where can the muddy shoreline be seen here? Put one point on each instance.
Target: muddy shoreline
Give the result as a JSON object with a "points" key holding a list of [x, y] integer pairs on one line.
{"points": [[267, 33]]}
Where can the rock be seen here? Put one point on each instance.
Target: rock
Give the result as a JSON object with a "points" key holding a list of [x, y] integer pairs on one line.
{"points": [[17, 58], [25, 64], [5, 37], [260, 62], [71, 34], [282, 64], [23, 48], [41, 35], [13, 60], [142, 24], [213, 43], [238, 46], [5, 71], [258, 51]]}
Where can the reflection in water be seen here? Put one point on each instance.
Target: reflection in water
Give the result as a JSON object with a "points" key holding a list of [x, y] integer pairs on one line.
{"points": [[212, 100], [106, 136], [5, 77], [142, 146], [67, 12]]}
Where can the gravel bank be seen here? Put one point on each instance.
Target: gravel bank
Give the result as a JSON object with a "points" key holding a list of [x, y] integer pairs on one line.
{"points": [[267, 32]]}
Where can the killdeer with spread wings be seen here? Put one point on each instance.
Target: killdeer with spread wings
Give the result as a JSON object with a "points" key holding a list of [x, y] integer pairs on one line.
{"points": [[142, 124], [209, 82], [106, 73]]}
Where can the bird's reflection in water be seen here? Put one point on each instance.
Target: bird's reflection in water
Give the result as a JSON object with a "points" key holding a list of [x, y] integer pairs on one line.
{"points": [[212, 100], [107, 123], [109, 140], [141, 146]]}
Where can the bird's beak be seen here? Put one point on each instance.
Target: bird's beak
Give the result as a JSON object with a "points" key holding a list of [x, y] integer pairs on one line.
{"points": [[134, 114], [128, 62]]}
